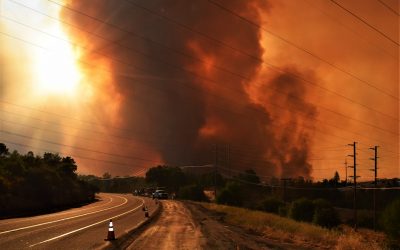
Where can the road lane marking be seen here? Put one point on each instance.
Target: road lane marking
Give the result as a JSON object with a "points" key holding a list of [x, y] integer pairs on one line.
{"points": [[91, 225], [48, 216], [72, 217]]}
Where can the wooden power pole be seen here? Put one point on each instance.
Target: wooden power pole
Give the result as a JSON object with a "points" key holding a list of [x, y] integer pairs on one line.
{"points": [[354, 155], [216, 171], [375, 169]]}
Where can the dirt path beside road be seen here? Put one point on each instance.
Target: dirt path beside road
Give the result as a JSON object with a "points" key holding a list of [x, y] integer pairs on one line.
{"points": [[174, 229], [187, 225]]}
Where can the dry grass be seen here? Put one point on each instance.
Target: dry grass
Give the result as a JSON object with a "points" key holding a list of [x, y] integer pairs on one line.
{"points": [[303, 234]]}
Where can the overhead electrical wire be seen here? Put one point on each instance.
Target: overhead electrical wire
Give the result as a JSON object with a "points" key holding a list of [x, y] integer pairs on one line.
{"points": [[81, 148], [225, 44], [209, 80], [222, 44], [213, 81], [276, 105], [364, 22], [301, 48], [30, 147], [366, 40], [388, 7]]}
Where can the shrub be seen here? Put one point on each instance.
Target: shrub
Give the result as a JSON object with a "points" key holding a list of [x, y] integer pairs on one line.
{"points": [[192, 192], [390, 220], [365, 219], [271, 204], [230, 195], [325, 214], [283, 210], [302, 210]]}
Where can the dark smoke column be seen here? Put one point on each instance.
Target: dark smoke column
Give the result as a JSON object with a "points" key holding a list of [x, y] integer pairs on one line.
{"points": [[185, 82]]}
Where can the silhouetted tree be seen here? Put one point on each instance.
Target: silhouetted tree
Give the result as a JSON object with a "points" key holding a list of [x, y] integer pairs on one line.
{"points": [[335, 180], [170, 177], [250, 176], [302, 210], [391, 220], [30, 184], [3, 149], [231, 194], [106, 175]]}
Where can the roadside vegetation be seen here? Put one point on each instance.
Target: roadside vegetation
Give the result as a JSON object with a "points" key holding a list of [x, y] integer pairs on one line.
{"points": [[31, 184], [313, 211], [298, 233]]}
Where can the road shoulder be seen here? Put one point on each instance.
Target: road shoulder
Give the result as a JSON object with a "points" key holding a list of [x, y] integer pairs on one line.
{"points": [[221, 235]]}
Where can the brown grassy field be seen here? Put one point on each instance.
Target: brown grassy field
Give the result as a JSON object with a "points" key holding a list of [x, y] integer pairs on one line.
{"points": [[302, 234]]}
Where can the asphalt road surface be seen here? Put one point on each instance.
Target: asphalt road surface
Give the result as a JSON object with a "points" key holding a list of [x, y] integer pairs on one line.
{"points": [[78, 228], [175, 229]]}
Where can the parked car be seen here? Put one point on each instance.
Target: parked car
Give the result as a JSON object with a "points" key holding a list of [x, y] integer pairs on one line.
{"points": [[160, 194]]}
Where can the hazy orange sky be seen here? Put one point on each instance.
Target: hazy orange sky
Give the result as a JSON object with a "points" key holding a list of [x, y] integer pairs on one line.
{"points": [[125, 85]]}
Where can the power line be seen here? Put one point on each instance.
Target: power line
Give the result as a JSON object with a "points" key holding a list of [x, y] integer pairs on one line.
{"points": [[73, 155], [388, 7], [301, 48], [365, 22], [354, 155], [297, 76], [46, 129], [229, 110], [202, 77], [91, 130], [81, 148], [354, 31]]}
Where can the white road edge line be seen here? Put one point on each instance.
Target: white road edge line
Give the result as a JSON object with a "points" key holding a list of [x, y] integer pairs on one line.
{"points": [[64, 212], [73, 217], [91, 225]]}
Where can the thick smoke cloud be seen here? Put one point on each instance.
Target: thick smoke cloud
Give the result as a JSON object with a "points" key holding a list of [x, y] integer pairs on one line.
{"points": [[181, 92]]}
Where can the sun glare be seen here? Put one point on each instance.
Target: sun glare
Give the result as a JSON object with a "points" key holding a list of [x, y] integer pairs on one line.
{"points": [[56, 69]]}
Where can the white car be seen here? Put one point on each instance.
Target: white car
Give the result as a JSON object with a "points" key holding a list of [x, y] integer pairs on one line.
{"points": [[160, 194]]}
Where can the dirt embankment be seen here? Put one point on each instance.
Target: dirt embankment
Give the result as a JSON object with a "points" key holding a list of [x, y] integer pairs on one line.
{"points": [[190, 225], [220, 235]]}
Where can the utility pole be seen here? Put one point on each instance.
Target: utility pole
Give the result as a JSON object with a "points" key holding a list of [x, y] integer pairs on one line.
{"points": [[284, 187], [375, 159], [216, 171], [345, 168], [228, 161], [354, 155]]}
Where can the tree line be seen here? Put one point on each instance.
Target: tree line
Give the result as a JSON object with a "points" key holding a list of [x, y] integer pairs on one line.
{"points": [[31, 184], [298, 198]]}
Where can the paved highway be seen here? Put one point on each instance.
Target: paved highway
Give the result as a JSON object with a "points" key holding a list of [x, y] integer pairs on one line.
{"points": [[78, 228]]}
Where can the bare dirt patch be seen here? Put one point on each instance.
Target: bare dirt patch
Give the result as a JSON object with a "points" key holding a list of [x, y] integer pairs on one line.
{"points": [[220, 235]]}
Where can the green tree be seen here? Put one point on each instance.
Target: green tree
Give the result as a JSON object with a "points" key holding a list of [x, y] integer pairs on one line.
{"points": [[170, 177], [106, 175], [68, 166], [30, 184], [3, 149], [250, 176], [272, 205], [192, 192], [302, 210], [335, 180], [325, 214], [230, 195], [391, 219]]}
